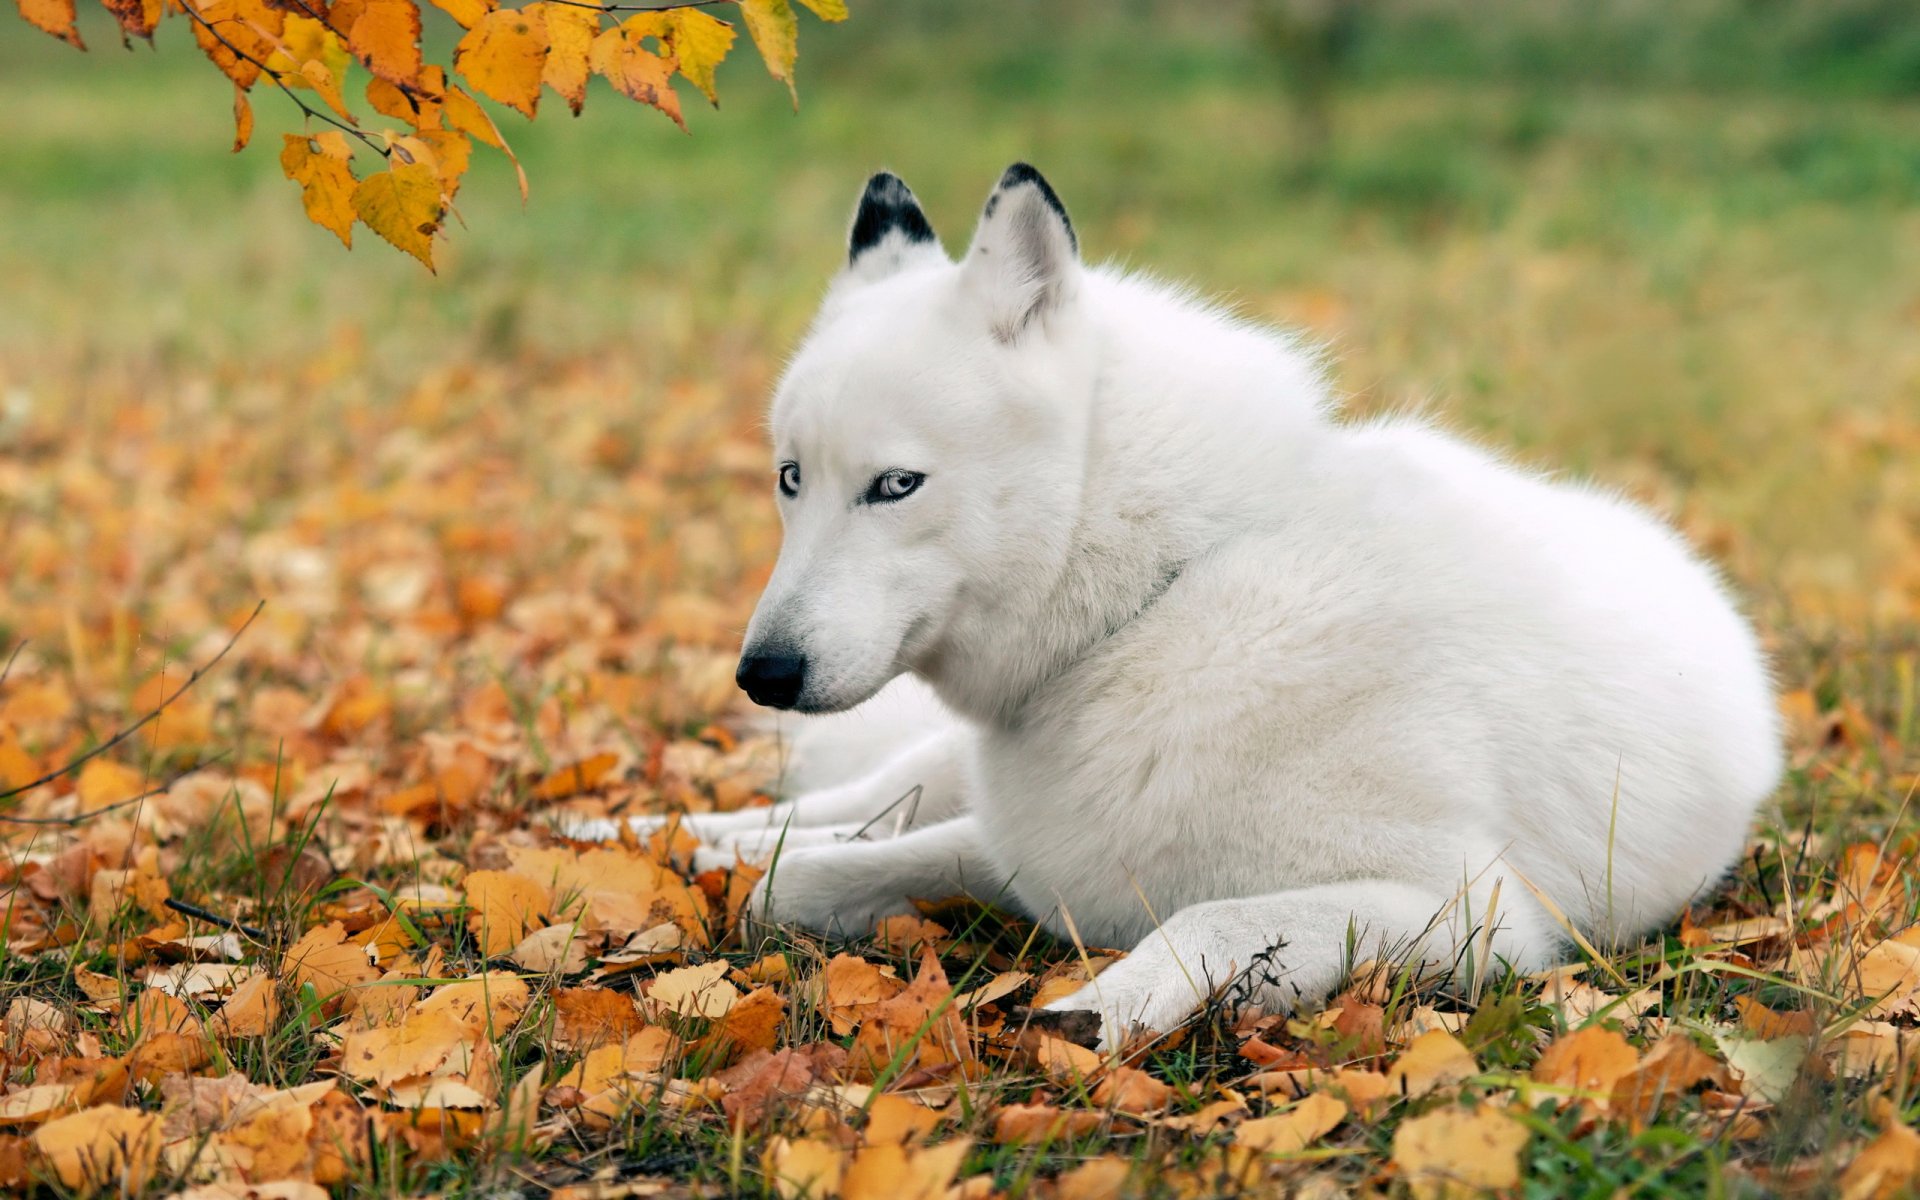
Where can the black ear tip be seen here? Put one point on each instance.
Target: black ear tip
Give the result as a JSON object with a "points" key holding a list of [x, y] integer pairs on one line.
{"points": [[1024, 173], [887, 188], [886, 206]]}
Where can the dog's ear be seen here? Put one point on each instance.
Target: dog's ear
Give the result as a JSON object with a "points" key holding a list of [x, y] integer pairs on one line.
{"points": [[1025, 260], [889, 230]]}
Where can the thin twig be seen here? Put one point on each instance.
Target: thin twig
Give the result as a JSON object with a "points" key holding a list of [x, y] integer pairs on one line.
{"points": [[75, 764], [8, 669], [214, 918], [368, 139], [150, 793]]}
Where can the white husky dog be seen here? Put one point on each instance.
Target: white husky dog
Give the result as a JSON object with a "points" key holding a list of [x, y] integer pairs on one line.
{"points": [[1219, 677]]}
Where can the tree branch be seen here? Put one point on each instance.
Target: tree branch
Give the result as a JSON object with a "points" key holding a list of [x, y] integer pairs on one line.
{"points": [[366, 138]]}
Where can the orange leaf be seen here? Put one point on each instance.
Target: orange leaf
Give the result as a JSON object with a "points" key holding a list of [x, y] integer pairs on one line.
{"points": [[1589, 1060], [1459, 1152], [1294, 1130], [451, 152], [467, 12], [852, 989], [575, 778], [402, 204], [504, 907], [386, 38], [321, 165], [321, 76], [242, 119], [238, 35], [634, 70], [589, 1017], [419, 106], [52, 16], [503, 57], [101, 1148]]}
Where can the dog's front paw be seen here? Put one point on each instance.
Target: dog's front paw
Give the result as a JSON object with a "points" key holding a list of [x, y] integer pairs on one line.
{"points": [[1134, 996], [821, 890]]}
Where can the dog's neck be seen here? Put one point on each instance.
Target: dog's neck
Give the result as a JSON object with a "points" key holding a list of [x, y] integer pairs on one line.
{"points": [[1180, 459]]}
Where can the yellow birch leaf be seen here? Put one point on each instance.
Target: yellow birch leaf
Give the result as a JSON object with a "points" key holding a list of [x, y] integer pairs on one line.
{"points": [[386, 39], [571, 29], [321, 165], [452, 152], [776, 34], [402, 205], [827, 10], [634, 70], [503, 56], [466, 115], [52, 16], [327, 83], [467, 12], [242, 119], [1433, 1060], [699, 43], [303, 39]]}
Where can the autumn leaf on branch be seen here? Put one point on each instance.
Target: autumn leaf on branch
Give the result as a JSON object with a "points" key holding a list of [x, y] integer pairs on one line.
{"points": [[506, 54]]}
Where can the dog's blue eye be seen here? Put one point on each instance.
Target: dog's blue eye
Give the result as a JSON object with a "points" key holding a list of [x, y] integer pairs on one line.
{"points": [[893, 485], [789, 479]]}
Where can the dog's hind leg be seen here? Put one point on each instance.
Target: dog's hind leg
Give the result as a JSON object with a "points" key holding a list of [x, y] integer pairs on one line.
{"points": [[1291, 948]]}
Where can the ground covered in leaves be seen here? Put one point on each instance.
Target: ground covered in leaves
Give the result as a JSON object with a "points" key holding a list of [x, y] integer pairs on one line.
{"points": [[457, 559]]}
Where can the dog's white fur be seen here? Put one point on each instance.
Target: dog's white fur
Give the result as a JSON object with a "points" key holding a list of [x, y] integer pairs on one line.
{"points": [[1224, 679]]}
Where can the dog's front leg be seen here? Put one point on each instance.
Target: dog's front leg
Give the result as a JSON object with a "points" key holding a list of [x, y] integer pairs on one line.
{"points": [[925, 783], [843, 889], [1292, 948]]}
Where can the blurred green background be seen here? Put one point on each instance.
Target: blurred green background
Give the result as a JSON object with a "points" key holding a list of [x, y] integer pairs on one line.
{"points": [[1673, 244]]}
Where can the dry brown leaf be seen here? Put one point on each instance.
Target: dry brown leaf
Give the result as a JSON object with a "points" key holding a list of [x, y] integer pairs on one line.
{"points": [[100, 1148], [894, 1171], [1295, 1129], [1587, 1063], [1434, 1060], [701, 991], [1458, 1152], [1886, 1167], [503, 907]]}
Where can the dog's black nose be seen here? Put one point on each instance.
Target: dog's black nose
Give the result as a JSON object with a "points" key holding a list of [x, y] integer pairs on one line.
{"points": [[775, 680]]}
